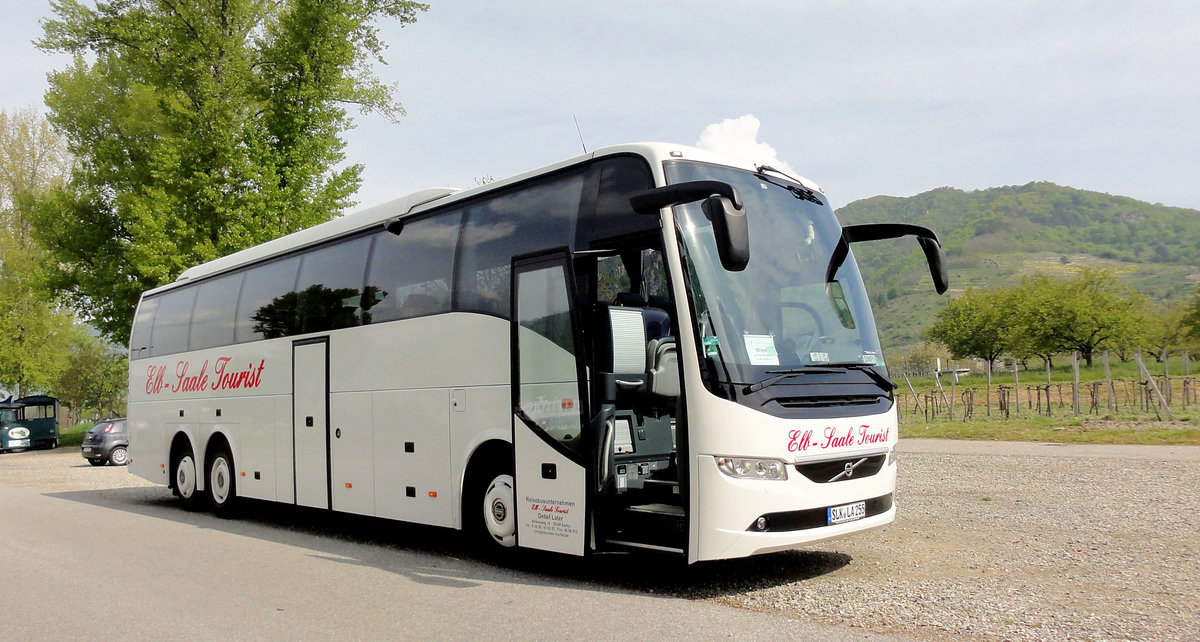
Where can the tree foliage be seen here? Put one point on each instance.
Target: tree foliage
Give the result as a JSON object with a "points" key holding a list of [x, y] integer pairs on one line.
{"points": [[201, 127], [1087, 313], [1044, 317], [94, 376], [34, 329], [979, 324]]}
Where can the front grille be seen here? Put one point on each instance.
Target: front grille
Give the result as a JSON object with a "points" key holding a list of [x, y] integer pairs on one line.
{"points": [[824, 472], [828, 402]]}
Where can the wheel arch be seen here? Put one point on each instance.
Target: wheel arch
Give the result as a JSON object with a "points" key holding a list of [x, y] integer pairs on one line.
{"points": [[181, 442], [486, 455]]}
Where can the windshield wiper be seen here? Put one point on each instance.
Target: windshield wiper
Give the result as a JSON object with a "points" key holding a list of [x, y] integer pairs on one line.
{"points": [[824, 368], [799, 191]]}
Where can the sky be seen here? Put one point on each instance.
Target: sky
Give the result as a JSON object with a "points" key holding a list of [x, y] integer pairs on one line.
{"points": [[863, 98]]}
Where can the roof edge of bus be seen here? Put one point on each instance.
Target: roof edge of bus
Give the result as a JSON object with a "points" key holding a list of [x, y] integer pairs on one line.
{"points": [[673, 151], [344, 224], [422, 199]]}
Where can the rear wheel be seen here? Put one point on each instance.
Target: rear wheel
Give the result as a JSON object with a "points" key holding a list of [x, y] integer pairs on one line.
{"points": [[119, 456], [222, 487], [183, 477]]}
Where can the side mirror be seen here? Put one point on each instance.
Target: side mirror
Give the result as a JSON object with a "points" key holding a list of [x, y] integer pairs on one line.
{"points": [[730, 230], [722, 205], [878, 231]]}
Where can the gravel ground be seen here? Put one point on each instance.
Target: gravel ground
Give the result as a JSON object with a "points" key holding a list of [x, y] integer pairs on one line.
{"points": [[993, 541], [1020, 542]]}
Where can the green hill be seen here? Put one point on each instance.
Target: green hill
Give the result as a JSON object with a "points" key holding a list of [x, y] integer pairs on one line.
{"points": [[993, 237]]}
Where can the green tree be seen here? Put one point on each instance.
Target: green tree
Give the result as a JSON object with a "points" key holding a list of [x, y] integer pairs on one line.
{"points": [[1089, 312], [977, 324], [33, 327], [201, 127], [1191, 318], [1166, 330], [94, 376]]}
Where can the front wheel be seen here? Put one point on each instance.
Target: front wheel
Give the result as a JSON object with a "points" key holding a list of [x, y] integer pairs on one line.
{"points": [[222, 487], [498, 505]]}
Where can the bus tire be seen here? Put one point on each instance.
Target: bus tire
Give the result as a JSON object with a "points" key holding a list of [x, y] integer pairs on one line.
{"points": [[491, 512], [221, 482], [183, 478]]}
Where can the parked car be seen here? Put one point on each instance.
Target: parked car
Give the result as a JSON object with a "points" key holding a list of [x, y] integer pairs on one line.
{"points": [[107, 441]]}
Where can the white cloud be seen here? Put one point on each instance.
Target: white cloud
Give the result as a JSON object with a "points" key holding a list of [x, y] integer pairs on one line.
{"points": [[739, 137]]}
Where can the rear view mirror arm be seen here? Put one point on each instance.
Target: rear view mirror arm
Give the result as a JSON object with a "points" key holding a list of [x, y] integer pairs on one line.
{"points": [[879, 231]]}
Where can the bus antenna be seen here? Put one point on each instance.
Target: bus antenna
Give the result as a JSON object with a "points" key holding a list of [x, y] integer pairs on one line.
{"points": [[580, 132]]}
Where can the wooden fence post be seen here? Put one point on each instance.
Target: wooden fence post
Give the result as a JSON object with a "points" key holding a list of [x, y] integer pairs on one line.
{"points": [[1150, 380], [1110, 391], [1075, 383], [1016, 388]]}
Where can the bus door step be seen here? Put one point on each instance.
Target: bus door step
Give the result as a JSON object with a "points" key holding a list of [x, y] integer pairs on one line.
{"points": [[665, 489], [660, 527]]}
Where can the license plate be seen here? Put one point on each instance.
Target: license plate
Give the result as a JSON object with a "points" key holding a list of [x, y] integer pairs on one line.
{"points": [[18, 443], [86, 449], [847, 512]]}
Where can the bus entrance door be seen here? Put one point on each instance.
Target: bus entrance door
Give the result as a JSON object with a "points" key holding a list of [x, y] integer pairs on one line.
{"points": [[548, 441]]}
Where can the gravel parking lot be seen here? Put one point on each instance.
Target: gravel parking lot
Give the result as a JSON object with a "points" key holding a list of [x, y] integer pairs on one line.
{"points": [[993, 541]]}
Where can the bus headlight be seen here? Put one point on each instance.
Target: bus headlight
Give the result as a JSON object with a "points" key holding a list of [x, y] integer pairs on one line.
{"points": [[744, 468]]}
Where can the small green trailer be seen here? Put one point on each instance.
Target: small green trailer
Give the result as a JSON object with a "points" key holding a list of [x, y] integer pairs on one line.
{"points": [[29, 422]]}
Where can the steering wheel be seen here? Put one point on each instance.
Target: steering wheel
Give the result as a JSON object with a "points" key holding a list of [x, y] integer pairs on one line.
{"points": [[806, 340]]}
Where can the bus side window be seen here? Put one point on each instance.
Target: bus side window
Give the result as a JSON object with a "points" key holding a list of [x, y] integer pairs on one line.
{"points": [[538, 217], [213, 314], [143, 327], [266, 308], [170, 333], [409, 275], [329, 288]]}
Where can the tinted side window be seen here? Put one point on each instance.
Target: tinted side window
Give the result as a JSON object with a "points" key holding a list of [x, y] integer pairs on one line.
{"points": [[410, 274], [534, 217], [171, 323], [267, 307], [329, 290], [214, 312], [143, 327], [619, 178]]}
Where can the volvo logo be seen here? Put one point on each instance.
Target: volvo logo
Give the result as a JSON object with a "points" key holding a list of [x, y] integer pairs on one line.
{"points": [[848, 471], [499, 511]]}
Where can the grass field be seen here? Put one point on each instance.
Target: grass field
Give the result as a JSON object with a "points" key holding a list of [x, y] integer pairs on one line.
{"points": [[1086, 430], [72, 437]]}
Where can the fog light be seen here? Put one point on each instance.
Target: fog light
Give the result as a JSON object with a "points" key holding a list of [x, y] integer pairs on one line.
{"points": [[761, 524]]}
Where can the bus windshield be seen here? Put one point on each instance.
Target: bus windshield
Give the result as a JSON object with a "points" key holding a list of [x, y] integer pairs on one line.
{"points": [[778, 316]]}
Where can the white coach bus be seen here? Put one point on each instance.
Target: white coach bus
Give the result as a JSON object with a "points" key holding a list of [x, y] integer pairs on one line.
{"points": [[650, 346]]}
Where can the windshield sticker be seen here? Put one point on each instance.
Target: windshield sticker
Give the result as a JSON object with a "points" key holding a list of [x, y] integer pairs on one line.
{"points": [[818, 357], [761, 348], [712, 347], [871, 358]]}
